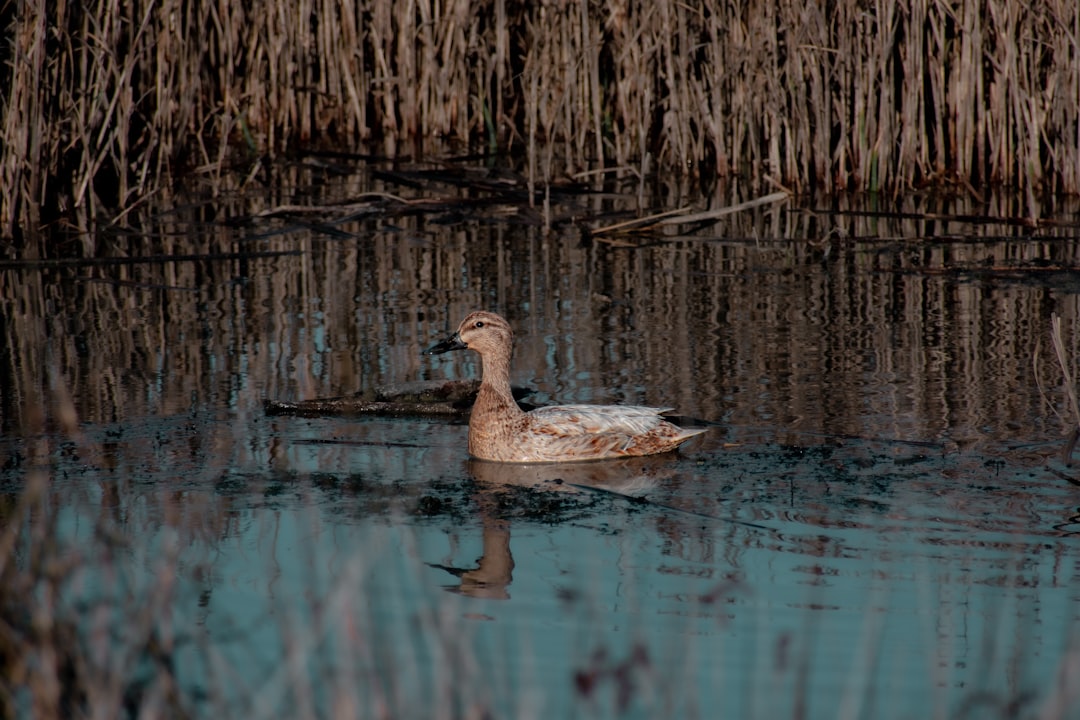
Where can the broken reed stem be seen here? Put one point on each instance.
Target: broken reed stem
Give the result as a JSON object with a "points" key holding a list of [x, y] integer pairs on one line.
{"points": [[678, 216], [729, 210], [639, 221], [850, 95], [1063, 361], [1070, 386]]}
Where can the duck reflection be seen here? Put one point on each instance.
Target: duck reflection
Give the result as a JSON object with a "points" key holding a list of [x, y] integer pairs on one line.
{"points": [[633, 477], [494, 568], [493, 573]]}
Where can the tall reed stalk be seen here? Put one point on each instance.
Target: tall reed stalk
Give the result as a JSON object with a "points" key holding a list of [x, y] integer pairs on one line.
{"points": [[101, 101]]}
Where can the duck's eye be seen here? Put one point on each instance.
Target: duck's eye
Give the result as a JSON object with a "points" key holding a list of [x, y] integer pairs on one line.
{"points": [[479, 324]]}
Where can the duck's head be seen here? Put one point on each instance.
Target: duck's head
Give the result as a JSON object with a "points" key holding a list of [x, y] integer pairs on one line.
{"points": [[484, 332]]}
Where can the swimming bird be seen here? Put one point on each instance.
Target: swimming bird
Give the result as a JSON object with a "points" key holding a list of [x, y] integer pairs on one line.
{"points": [[499, 430]]}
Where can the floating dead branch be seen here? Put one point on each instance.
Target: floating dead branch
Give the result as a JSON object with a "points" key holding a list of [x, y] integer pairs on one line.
{"points": [[678, 216], [413, 399], [1030, 222], [998, 270], [485, 194], [717, 213], [35, 263], [358, 406], [638, 223], [357, 204]]}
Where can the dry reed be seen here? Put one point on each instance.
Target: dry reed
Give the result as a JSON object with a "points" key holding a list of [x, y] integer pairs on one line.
{"points": [[1065, 363], [102, 101]]}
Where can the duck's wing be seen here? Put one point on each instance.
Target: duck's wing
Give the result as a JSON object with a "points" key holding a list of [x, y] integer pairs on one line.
{"points": [[572, 420], [586, 432]]}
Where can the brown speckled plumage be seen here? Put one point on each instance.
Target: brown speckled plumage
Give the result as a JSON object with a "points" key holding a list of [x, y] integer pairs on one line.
{"points": [[499, 430]]}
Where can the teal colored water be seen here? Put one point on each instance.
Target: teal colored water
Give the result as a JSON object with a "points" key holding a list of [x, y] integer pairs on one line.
{"points": [[879, 525]]}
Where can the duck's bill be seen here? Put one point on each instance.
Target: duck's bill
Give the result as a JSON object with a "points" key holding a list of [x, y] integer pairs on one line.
{"points": [[451, 343]]}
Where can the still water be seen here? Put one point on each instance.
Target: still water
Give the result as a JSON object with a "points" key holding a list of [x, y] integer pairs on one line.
{"points": [[878, 525]]}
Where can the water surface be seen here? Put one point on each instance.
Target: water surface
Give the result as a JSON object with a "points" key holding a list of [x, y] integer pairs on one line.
{"points": [[878, 524]]}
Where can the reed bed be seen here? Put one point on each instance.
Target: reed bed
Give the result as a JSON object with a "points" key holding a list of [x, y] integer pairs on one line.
{"points": [[102, 101]]}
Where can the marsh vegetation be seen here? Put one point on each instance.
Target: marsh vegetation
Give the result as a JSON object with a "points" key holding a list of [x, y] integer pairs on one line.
{"points": [[103, 103], [212, 206]]}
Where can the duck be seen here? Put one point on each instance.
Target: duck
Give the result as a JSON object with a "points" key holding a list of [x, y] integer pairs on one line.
{"points": [[501, 431]]}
